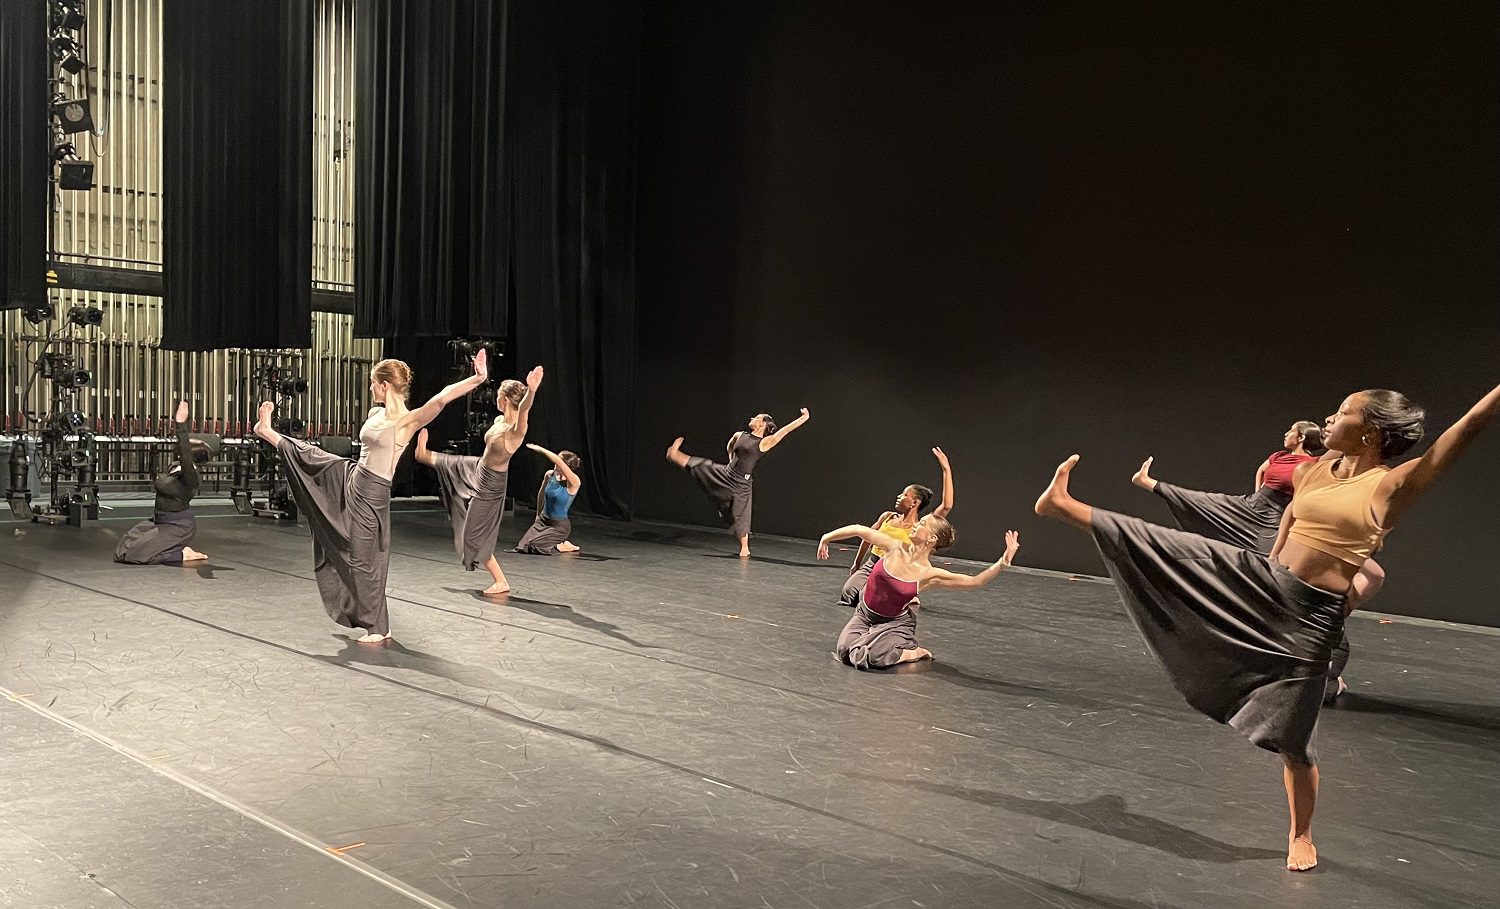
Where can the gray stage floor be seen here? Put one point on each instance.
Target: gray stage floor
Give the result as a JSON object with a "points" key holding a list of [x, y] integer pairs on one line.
{"points": [[658, 724]]}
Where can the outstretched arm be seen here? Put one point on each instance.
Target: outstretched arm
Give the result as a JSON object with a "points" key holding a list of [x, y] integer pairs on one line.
{"points": [[1260, 474], [569, 478], [1407, 483], [864, 547], [416, 419], [774, 439], [947, 504], [952, 580], [523, 410], [185, 446], [868, 534]]}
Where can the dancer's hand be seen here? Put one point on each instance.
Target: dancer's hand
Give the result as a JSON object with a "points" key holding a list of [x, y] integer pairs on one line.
{"points": [[534, 378], [182, 412], [482, 365], [533, 446], [1012, 545], [942, 458], [823, 551], [805, 414]]}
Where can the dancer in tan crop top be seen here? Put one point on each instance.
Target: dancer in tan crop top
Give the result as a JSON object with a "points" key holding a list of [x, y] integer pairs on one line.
{"points": [[1247, 639]]}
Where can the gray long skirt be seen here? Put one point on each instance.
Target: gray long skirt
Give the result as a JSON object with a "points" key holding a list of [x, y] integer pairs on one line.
{"points": [[1244, 640], [1249, 522], [874, 641], [729, 492], [348, 511], [159, 541], [544, 535], [457, 475]]}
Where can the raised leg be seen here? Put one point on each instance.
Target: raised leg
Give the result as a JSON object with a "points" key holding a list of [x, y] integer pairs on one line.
{"points": [[263, 424], [1055, 502], [1142, 477]]}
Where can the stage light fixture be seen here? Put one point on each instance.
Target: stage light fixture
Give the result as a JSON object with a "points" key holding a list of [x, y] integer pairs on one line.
{"points": [[39, 313], [292, 426], [18, 496], [68, 15], [76, 175], [295, 385], [69, 422], [73, 378], [86, 315], [73, 116], [78, 457]]}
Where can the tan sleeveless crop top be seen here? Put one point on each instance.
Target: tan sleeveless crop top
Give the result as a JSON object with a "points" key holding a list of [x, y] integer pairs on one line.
{"points": [[1334, 516], [378, 451]]}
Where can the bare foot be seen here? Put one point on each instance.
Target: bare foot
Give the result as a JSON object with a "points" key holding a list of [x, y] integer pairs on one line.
{"points": [[744, 553], [918, 653], [674, 453], [263, 427], [1142, 477], [566, 546], [373, 638], [1054, 502], [1300, 854], [423, 455], [495, 590], [189, 554]]}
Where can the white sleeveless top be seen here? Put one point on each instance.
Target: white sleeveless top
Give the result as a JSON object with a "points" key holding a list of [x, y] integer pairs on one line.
{"points": [[378, 451]]}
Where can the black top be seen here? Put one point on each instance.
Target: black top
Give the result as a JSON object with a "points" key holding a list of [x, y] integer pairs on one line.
{"points": [[746, 453], [175, 488]]}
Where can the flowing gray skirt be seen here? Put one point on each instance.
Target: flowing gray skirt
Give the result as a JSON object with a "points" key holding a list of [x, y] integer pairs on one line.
{"points": [[729, 492], [348, 511], [874, 641], [159, 541], [1249, 522], [456, 475], [1244, 640], [544, 535]]}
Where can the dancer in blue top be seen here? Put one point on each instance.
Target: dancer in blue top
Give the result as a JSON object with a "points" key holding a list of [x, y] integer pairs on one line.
{"points": [[548, 535]]}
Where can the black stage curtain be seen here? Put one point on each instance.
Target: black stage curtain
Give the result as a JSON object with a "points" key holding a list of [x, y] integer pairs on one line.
{"points": [[237, 174], [430, 247], [515, 205], [24, 69]]}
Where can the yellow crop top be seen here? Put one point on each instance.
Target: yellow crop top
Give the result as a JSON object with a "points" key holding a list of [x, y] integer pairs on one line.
{"points": [[1334, 515], [891, 529]]}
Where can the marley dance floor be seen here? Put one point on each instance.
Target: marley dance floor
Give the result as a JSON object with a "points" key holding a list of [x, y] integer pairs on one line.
{"points": [[657, 724]]}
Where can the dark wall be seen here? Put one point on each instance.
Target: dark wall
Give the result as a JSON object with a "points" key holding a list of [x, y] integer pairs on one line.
{"points": [[1021, 230]]}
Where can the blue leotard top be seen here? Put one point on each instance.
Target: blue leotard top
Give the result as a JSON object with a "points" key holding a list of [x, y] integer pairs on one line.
{"points": [[557, 498]]}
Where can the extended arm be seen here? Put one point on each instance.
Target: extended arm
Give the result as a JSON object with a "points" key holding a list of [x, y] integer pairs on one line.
{"points": [[523, 410], [947, 503], [951, 580], [864, 547], [868, 534], [185, 447], [569, 478], [771, 441], [1408, 482], [416, 419], [1260, 474]]}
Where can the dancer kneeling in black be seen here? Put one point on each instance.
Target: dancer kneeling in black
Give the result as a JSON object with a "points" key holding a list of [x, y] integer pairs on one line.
{"points": [[548, 534], [1247, 639], [728, 485], [164, 539], [883, 630]]}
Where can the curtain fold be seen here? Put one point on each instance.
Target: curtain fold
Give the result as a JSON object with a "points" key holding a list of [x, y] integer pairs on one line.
{"points": [[496, 192], [237, 174], [24, 68]]}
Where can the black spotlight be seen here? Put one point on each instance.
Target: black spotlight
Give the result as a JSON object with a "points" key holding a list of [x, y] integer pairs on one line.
{"points": [[68, 15], [68, 53], [73, 116], [291, 426], [293, 386], [76, 175], [69, 421], [73, 378], [86, 315], [39, 313], [78, 457]]}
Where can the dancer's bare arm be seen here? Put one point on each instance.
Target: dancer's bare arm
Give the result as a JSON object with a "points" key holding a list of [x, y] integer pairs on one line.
{"points": [[947, 504], [864, 548], [943, 579], [1404, 485], [774, 439], [416, 419], [868, 534], [1260, 474], [570, 479]]}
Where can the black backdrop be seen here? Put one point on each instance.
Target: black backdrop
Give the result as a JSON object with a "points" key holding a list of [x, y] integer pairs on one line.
{"points": [[500, 188], [23, 153], [236, 174], [1020, 231]]}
